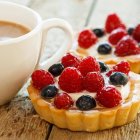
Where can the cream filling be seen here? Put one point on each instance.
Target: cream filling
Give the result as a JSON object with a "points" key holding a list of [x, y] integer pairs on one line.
{"points": [[124, 90], [92, 51]]}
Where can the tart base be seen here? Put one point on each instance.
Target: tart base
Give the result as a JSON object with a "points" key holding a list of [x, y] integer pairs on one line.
{"points": [[92, 120]]}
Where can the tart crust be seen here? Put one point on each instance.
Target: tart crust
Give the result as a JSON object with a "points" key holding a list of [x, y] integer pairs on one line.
{"points": [[92, 120]]}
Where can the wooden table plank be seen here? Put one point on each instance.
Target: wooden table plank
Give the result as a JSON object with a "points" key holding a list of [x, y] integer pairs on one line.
{"points": [[19, 118], [129, 11], [19, 121]]}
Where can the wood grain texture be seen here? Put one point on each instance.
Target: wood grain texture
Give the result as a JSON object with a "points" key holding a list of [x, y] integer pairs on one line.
{"points": [[74, 11], [127, 132], [128, 10], [19, 121]]}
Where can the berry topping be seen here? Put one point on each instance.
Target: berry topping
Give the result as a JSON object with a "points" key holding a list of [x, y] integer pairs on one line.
{"points": [[41, 78], [104, 48], [136, 33], [49, 92], [116, 35], [99, 32], [93, 81], [88, 64], [69, 60], [118, 78], [109, 72], [113, 22], [103, 67], [85, 102], [56, 69], [130, 30], [122, 66], [86, 39], [70, 80], [63, 101], [109, 97], [127, 46]]}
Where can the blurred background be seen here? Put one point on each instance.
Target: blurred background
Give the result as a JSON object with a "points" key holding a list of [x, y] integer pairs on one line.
{"points": [[82, 13]]}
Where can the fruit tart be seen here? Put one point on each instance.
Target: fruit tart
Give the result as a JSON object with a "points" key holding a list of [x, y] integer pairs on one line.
{"points": [[112, 44], [83, 94]]}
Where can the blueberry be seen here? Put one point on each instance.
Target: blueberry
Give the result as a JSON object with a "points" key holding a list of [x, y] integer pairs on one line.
{"points": [[99, 32], [103, 67], [85, 102], [118, 78], [104, 48], [56, 69], [130, 30], [49, 92]]}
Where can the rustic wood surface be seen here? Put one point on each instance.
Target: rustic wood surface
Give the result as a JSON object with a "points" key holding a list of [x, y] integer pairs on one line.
{"points": [[18, 119]]}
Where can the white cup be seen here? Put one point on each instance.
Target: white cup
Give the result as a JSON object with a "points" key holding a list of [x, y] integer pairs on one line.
{"points": [[20, 56]]}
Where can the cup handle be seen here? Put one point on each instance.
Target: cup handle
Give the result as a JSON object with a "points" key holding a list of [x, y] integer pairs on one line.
{"points": [[66, 27]]}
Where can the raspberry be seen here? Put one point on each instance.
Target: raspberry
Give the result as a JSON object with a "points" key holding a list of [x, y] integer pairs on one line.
{"points": [[109, 73], [70, 80], [116, 35], [63, 101], [93, 82], [88, 64], [122, 66], [109, 97], [113, 22], [127, 46], [86, 39], [136, 33], [69, 60], [41, 78]]}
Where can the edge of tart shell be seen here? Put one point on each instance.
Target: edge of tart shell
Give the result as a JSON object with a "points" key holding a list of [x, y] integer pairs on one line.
{"points": [[92, 120]]}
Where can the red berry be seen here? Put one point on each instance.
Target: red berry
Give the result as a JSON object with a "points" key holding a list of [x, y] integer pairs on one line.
{"points": [[88, 64], [93, 81], [127, 46], [70, 80], [113, 22], [41, 78], [69, 60], [63, 101], [136, 33], [86, 39], [109, 97], [122, 66], [116, 35], [109, 73]]}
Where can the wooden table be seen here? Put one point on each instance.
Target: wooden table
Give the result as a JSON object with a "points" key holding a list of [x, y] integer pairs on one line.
{"points": [[18, 118]]}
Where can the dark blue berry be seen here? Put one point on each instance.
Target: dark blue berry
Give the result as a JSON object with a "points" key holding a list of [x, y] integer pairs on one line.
{"points": [[99, 32], [130, 30], [104, 48], [118, 78], [56, 69], [85, 102], [103, 67], [49, 92]]}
